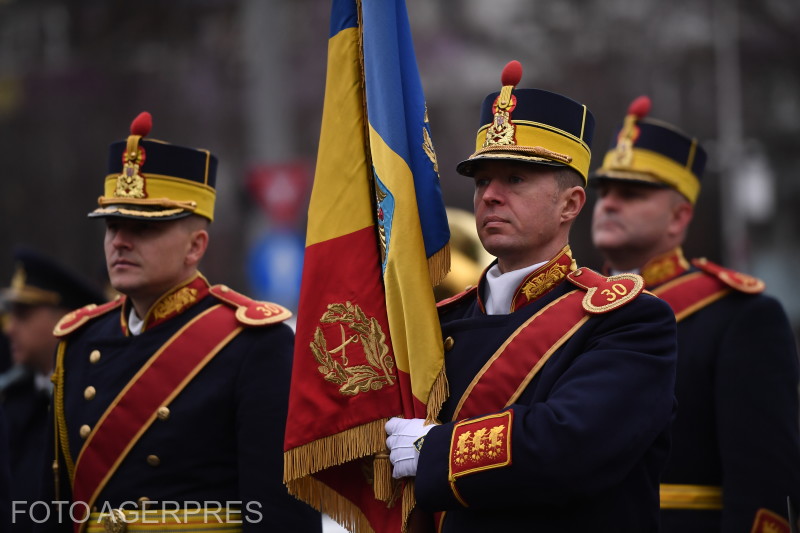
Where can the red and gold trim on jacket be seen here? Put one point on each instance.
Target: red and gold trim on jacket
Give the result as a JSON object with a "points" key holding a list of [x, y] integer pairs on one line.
{"points": [[136, 407], [511, 368], [767, 521], [156, 384], [172, 303], [535, 285], [480, 444], [664, 267], [249, 312], [688, 293], [543, 279]]}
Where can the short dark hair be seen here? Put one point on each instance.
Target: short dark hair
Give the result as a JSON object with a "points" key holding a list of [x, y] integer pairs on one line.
{"points": [[568, 177]]}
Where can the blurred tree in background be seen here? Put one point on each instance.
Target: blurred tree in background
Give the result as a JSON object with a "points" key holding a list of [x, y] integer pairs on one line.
{"points": [[245, 79]]}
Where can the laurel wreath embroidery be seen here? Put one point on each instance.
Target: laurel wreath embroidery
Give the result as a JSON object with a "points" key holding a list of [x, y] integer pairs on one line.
{"points": [[335, 364], [427, 146]]}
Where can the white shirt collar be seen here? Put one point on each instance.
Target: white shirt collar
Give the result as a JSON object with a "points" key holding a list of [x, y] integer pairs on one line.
{"points": [[135, 324], [501, 288]]}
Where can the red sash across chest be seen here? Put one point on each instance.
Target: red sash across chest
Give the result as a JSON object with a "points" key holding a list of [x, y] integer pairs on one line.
{"points": [[516, 362], [690, 293], [156, 384]]}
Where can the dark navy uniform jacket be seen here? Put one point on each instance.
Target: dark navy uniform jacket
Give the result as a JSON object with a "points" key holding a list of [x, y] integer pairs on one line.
{"points": [[26, 408], [737, 421], [222, 440], [590, 431], [5, 474]]}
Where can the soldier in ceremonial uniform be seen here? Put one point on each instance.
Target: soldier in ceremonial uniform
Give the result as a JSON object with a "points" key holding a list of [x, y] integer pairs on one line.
{"points": [[561, 380], [170, 402], [736, 450], [41, 292]]}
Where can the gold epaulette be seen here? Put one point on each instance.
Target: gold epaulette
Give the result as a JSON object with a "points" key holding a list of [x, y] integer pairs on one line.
{"points": [[75, 319], [731, 278], [606, 293], [456, 297], [250, 312]]}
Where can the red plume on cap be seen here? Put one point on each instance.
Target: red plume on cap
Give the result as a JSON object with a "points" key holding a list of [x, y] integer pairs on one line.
{"points": [[640, 107], [623, 153], [512, 73], [142, 124]]}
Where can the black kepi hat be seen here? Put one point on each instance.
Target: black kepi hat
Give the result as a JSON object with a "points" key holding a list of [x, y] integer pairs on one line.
{"points": [[532, 125], [154, 180], [653, 152]]}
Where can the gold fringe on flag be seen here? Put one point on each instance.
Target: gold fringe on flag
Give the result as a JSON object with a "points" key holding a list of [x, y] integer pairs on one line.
{"points": [[440, 390], [439, 265], [354, 443], [382, 484], [409, 501], [321, 496]]}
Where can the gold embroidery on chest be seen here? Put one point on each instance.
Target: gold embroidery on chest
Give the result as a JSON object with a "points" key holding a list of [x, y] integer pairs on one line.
{"points": [[540, 284], [175, 302]]}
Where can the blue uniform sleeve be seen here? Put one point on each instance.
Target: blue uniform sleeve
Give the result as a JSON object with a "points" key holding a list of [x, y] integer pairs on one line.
{"points": [[262, 405], [585, 423], [756, 400]]}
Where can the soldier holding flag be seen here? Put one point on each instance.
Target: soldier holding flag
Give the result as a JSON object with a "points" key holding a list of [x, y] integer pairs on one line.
{"points": [[561, 379]]}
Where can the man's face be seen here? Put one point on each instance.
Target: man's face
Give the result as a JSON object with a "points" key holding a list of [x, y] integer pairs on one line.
{"points": [[632, 217], [30, 333], [517, 211], [147, 258]]}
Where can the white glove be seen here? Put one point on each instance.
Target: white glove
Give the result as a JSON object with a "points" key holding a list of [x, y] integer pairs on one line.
{"points": [[404, 442]]}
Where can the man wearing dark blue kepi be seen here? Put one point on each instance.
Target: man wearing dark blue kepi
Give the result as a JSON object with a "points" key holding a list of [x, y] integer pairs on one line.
{"points": [[735, 461], [561, 380], [170, 402]]}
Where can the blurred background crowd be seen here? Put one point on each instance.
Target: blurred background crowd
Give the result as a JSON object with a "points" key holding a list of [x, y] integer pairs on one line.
{"points": [[246, 79]]}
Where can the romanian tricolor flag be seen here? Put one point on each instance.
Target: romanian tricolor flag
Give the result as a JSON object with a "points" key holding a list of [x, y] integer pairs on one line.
{"points": [[368, 343]]}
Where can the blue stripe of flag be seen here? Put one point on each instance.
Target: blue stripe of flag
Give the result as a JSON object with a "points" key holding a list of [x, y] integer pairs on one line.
{"points": [[396, 107]]}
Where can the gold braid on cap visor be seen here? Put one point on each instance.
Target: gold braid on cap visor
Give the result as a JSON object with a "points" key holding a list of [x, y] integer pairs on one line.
{"points": [[165, 191], [540, 142]]}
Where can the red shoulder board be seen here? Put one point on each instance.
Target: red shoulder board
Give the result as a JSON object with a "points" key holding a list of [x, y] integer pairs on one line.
{"points": [[767, 521], [457, 297], [604, 294], [75, 319], [731, 278], [250, 312]]}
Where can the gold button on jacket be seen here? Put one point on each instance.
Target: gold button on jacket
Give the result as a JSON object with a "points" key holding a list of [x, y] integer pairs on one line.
{"points": [[448, 343]]}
